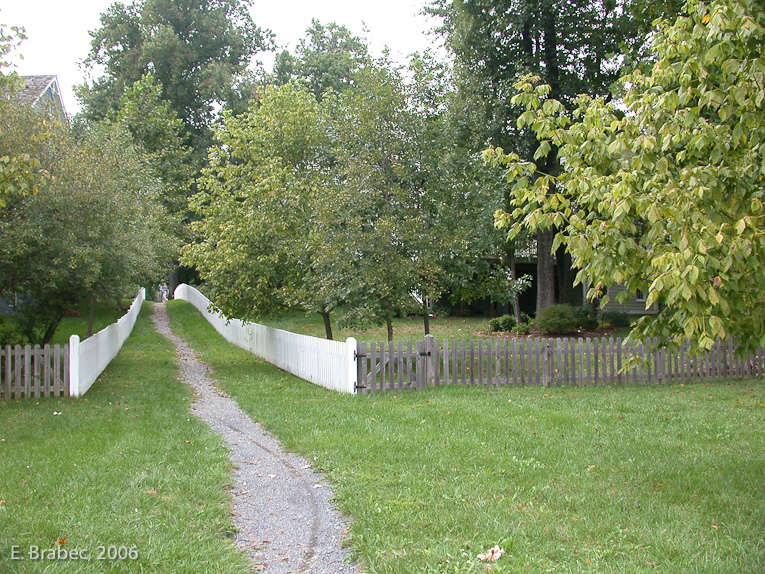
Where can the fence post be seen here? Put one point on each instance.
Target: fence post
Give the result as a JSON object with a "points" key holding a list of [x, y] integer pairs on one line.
{"points": [[431, 360], [351, 345], [547, 364], [74, 366]]}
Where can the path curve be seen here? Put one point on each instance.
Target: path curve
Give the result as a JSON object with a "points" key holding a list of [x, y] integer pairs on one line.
{"points": [[281, 507]]}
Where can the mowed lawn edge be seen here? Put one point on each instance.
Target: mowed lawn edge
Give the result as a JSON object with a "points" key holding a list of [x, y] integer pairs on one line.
{"points": [[659, 479], [125, 474]]}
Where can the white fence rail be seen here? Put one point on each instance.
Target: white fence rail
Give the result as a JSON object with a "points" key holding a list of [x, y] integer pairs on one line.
{"points": [[330, 364], [89, 358]]}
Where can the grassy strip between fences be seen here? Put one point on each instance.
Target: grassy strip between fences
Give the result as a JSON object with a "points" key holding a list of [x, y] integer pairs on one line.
{"points": [[126, 474], [634, 480]]}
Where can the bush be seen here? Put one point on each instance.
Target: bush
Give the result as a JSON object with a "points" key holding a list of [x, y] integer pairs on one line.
{"points": [[503, 323], [585, 317], [615, 318], [556, 319], [522, 328]]}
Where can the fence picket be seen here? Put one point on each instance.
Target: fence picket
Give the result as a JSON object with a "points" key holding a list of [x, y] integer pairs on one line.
{"points": [[548, 362], [34, 371]]}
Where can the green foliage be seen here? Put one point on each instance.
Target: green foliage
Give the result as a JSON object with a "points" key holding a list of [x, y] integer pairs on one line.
{"points": [[261, 229], [194, 48], [158, 130], [21, 132], [556, 319], [617, 319], [523, 328], [95, 227], [585, 317], [327, 59], [572, 45], [503, 323], [666, 199]]}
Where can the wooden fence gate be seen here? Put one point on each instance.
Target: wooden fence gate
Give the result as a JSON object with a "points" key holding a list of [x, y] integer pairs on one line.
{"points": [[34, 372], [546, 362]]}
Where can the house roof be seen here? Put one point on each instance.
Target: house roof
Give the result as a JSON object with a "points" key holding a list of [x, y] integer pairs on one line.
{"points": [[42, 91]]}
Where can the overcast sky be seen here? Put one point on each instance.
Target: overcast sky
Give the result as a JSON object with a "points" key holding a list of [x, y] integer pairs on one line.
{"points": [[58, 36]]}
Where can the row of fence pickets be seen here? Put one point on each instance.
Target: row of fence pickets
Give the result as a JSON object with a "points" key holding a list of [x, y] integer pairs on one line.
{"points": [[34, 371], [44, 371], [547, 362]]}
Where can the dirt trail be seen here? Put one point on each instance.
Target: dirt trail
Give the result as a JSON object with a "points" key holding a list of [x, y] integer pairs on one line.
{"points": [[281, 507]]}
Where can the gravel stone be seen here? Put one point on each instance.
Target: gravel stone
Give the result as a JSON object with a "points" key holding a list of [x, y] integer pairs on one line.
{"points": [[281, 507]]}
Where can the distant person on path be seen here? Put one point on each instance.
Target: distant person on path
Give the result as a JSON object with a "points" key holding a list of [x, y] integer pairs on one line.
{"points": [[163, 291]]}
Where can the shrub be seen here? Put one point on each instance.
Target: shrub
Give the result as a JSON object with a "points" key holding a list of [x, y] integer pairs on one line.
{"points": [[556, 319], [585, 317], [522, 328], [503, 323], [616, 318]]}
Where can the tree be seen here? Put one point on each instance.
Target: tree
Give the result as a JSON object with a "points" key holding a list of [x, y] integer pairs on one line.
{"points": [[158, 131], [327, 59], [258, 225], [93, 230], [21, 173], [667, 198], [194, 48], [571, 45]]}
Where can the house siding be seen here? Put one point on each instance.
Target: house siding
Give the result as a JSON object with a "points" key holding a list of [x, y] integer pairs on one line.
{"points": [[631, 307]]}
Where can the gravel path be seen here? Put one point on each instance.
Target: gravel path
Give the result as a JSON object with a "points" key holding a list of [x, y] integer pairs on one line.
{"points": [[281, 508]]}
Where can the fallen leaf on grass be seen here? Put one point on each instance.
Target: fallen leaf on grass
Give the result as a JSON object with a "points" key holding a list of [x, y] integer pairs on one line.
{"points": [[492, 555]]}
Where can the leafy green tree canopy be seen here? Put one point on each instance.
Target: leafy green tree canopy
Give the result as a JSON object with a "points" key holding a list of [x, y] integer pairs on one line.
{"points": [[667, 198], [327, 59], [255, 200], [194, 49]]}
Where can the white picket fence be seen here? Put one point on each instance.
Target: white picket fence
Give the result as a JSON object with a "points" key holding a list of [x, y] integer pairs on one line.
{"points": [[330, 364], [89, 358]]}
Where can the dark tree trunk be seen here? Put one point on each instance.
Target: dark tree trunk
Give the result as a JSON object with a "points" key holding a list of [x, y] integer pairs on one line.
{"points": [[550, 33], [93, 301], [426, 318], [545, 270], [514, 276], [389, 324], [565, 277], [327, 324], [52, 329]]}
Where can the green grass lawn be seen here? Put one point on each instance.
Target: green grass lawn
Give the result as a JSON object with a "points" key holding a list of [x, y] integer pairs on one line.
{"points": [[126, 468], [105, 315], [76, 323], [600, 480], [404, 328]]}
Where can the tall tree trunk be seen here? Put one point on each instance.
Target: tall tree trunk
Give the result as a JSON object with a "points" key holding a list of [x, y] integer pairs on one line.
{"points": [[514, 276], [426, 317], [327, 324], [565, 279], [545, 270], [550, 33], [389, 324], [93, 301]]}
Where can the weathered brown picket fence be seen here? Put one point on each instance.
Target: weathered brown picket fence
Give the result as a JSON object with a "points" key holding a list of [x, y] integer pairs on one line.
{"points": [[545, 362], [33, 372]]}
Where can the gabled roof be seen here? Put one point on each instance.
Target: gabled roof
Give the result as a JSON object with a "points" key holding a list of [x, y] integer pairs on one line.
{"points": [[42, 92]]}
